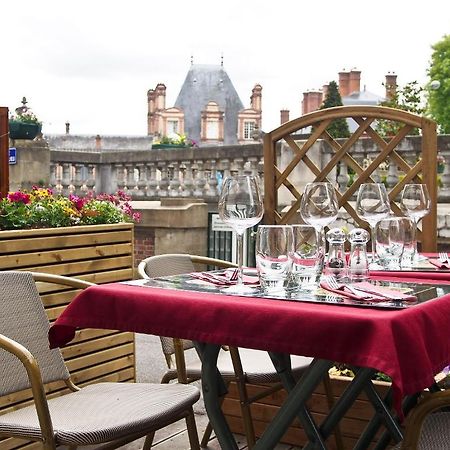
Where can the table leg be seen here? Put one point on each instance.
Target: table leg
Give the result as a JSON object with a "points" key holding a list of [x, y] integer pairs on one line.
{"points": [[213, 388]]}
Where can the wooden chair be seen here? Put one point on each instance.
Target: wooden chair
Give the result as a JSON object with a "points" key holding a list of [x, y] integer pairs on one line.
{"points": [[428, 424], [105, 415], [240, 365], [276, 177]]}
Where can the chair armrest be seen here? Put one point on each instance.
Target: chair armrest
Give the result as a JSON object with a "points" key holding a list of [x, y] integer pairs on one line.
{"points": [[60, 279], [430, 403]]}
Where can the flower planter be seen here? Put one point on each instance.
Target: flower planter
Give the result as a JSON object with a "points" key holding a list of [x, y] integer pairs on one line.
{"points": [[96, 253], [351, 426], [22, 130], [156, 146]]}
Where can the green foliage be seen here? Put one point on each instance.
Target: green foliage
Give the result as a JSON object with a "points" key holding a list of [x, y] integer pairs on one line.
{"points": [[439, 71], [40, 208], [408, 98], [339, 127]]}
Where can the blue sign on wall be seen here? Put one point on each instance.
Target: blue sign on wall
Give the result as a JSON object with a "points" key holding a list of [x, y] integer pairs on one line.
{"points": [[12, 155]]}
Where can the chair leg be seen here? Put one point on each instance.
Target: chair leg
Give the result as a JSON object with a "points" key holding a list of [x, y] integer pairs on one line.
{"points": [[243, 397], [206, 435], [148, 441], [330, 401], [192, 430]]}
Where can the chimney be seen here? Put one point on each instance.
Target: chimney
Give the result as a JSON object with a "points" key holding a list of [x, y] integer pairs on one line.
{"points": [[324, 91], [256, 97], [305, 103], [67, 127], [284, 116], [344, 80], [98, 142], [390, 85], [354, 81]]}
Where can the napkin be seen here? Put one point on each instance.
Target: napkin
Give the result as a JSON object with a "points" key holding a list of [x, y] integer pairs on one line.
{"points": [[367, 291], [439, 264], [226, 277]]}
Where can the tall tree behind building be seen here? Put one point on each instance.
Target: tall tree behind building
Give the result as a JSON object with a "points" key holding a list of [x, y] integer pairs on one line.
{"points": [[439, 86], [339, 127]]}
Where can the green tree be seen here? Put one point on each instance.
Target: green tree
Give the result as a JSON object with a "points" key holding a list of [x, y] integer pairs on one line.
{"points": [[409, 98], [339, 127], [439, 86]]}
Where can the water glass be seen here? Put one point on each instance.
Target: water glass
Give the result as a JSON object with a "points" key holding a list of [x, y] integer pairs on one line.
{"points": [[390, 242], [274, 246], [409, 244], [307, 258]]}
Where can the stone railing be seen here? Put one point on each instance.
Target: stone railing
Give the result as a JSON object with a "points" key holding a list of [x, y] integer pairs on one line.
{"points": [[197, 172]]}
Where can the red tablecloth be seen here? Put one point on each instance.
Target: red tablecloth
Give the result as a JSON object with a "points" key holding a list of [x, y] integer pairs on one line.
{"points": [[410, 345]]}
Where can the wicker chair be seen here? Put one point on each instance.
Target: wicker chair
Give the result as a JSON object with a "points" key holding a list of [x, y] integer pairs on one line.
{"points": [[106, 415], [428, 425], [244, 366]]}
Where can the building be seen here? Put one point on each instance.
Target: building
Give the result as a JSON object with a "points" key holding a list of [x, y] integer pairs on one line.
{"points": [[350, 90], [207, 110]]}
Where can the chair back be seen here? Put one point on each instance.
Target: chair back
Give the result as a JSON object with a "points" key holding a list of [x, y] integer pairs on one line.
{"points": [[24, 320], [277, 173], [164, 265]]}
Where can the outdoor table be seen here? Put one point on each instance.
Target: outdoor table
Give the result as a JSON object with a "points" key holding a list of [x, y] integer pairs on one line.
{"points": [[409, 344]]}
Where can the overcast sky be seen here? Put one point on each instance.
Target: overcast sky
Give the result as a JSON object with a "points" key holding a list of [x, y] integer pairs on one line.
{"points": [[91, 62]]}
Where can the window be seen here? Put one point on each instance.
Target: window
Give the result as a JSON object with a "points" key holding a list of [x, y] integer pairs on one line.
{"points": [[172, 126], [212, 129], [248, 129]]}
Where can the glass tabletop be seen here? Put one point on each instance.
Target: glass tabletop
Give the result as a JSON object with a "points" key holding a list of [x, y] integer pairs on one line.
{"points": [[421, 291]]}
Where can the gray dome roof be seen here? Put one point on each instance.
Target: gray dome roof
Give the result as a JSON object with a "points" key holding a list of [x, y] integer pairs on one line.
{"points": [[203, 84]]}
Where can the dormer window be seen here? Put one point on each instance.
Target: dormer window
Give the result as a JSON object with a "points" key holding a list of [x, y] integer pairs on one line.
{"points": [[248, 129]]}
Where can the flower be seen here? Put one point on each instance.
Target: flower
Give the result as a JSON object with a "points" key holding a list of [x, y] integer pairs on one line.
{"points": [[41, 208], [177, 139]]}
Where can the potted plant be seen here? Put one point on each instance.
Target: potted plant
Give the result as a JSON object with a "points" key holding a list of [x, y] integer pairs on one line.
{"points": [[24, 124], [174, 141], [440, 163]]}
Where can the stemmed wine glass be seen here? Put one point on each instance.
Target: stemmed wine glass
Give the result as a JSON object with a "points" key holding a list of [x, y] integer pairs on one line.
{"points": [[415, 203], [372, 205], [240, 206], [319, 207]]}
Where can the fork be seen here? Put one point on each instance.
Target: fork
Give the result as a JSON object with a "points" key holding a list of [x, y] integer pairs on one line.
{"points": [[443, 257], [334, 284]]}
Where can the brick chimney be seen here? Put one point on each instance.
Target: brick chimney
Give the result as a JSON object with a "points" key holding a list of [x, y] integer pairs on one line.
{"points": [[311, 101], [344, 82], [390, 85], [354, 81], [284, 116], [324, 91], [256, 97]]}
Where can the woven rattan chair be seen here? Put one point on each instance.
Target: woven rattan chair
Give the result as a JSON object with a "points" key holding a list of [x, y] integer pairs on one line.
{"points": [[428, 425], [244, 366], [279, 173], [112, 414]]}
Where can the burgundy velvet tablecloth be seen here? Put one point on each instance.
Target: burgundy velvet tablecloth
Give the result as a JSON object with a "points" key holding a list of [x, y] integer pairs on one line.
{"points": [[410, 345]]}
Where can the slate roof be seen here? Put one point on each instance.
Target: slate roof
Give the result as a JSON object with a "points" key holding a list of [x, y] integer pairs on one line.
{"points": [[205, 83], [362, 98]]}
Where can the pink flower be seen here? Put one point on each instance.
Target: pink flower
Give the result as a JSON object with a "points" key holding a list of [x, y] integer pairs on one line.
{"points": [[19, 197]]}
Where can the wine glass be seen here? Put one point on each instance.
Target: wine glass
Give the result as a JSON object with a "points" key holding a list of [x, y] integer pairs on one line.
{"points": [[319, 207], [415, 203], [240, 206], [372, 205]]}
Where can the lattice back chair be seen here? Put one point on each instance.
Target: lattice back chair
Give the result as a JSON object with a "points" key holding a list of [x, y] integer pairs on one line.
{"points": [[428, 424], [105, 415], [244, 366], [278, 175]]}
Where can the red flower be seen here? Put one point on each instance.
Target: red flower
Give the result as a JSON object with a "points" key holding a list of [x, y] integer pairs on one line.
{"points": [[19, 197]]}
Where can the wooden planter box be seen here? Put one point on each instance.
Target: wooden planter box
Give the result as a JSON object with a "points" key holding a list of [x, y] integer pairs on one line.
{"points": [[264, 410], [96, 253]]}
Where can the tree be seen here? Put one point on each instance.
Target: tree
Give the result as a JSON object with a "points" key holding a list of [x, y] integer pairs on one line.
{"points": [[408, 98], [339, 127], [439, 86]]}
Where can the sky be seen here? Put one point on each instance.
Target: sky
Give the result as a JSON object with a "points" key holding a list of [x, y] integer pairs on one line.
{"points": [[91, 62]]}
